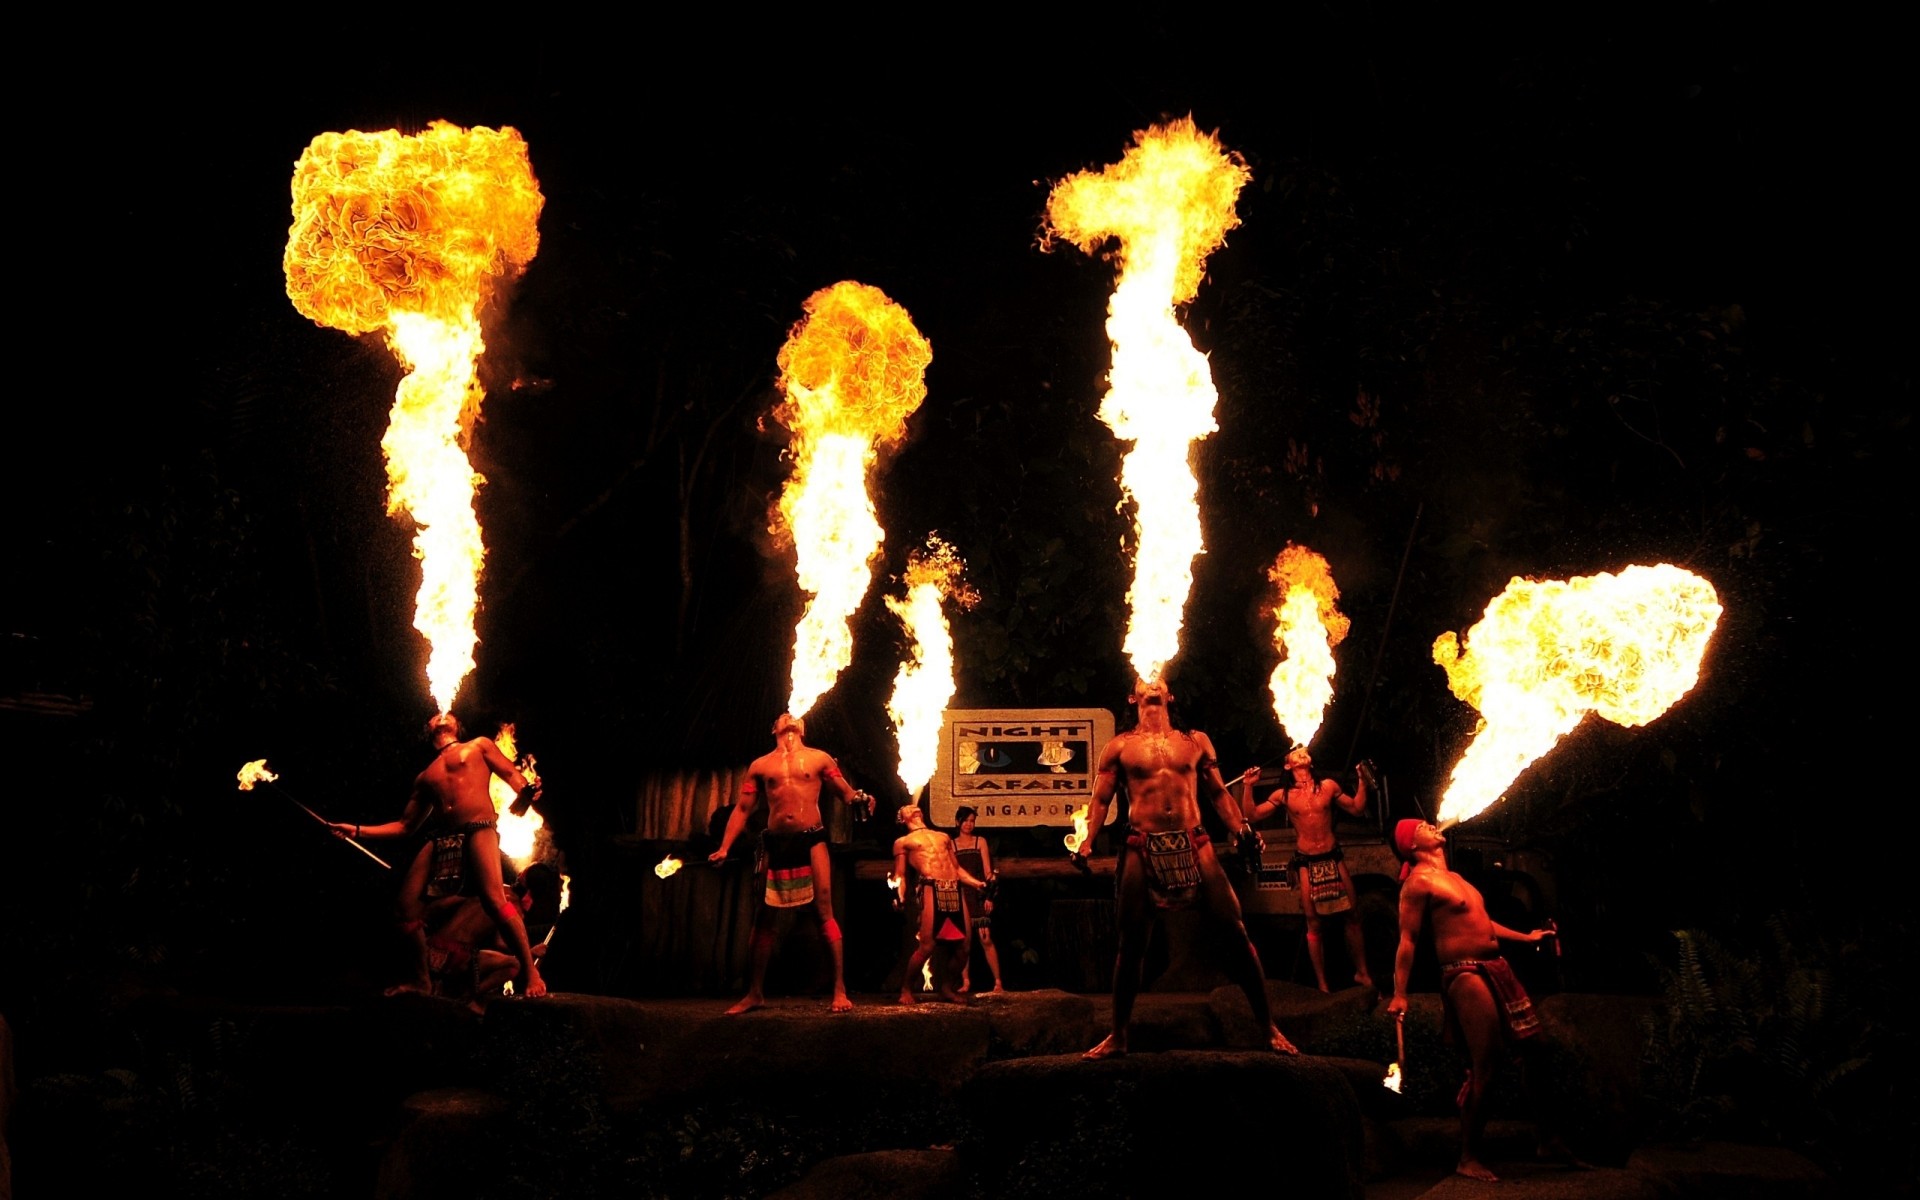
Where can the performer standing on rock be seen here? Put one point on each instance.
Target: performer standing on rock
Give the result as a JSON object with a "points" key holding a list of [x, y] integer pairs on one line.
{"points": [[1167, 860], [1318, 867], [1485, 1007], [924, 861], [793, 848], [971, 849], [451, 804]]}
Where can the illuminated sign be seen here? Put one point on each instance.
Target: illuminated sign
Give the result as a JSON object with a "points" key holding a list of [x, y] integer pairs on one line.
{"points": [[1018, 766]]}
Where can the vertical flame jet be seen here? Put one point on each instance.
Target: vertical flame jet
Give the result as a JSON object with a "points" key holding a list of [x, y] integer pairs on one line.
{"points": [[1548, 652], [1169, 203], [853, 370], [1307, 627], [409, 235], [924, 685]]}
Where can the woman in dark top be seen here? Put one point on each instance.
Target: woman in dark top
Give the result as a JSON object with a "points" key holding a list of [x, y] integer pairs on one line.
{"points": [[971, 849]]}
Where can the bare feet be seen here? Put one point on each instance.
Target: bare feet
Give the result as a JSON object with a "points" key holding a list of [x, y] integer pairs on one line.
{"points": [[1278, 1043], [1473, 1168], [907, 996], [1114, 1045], [536, 986], [953, 997], [1363, 979], [1554, 1150], [748, 1003], [416, 989], [997, 989], [840, 1001]]}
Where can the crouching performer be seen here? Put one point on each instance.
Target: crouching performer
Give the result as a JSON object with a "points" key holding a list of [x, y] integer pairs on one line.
{"points": [[924, 860], [1485, 1007], [793, 848], [452, 806], [1167, 860]]}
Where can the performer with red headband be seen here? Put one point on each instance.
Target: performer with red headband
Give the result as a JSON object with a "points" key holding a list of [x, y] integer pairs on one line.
{"points": [[793, 848], [1485, 1007], [1167, 860]]}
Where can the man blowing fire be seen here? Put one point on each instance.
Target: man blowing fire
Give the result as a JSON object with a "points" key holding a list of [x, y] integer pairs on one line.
{"points": [[450, 804], [1167, 860]]}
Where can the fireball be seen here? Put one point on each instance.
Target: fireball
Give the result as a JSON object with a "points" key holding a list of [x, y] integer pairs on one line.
{"points": [[519, 835], [1169, 203], [1548, 652], [1307, 627], [924, 685], [853, 371], [409, 236]]}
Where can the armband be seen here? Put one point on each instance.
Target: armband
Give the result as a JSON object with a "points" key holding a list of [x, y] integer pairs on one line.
{"points": [[751, 787], [832, 772], [1209, 763]]}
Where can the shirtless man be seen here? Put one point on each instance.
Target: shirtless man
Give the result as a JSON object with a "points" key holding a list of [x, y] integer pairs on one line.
{"points": [[942, 901], [1485, 1006], [450, 801], [1319, 867], [1167, 860], [799, 870]]}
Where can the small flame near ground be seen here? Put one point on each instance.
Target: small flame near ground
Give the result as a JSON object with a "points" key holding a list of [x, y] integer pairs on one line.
{"points": [[1548, 652], [926, 976], [1307, 626], [667, 867], [924, 685], [410, 235], [1392, 1081], [853, 370], [255, 772], [1169, 202]]}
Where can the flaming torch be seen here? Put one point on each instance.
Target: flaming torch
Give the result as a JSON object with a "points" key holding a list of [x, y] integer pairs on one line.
{"points": [[409, 235], [1169, 202], [1080, 834], [519, 833], [668, 867], [853, 371], [924, 685], [1548, 652], [1307, 627]]}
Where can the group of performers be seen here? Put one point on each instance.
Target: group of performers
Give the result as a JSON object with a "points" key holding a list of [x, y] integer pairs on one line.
{"points": [[947, 882]]}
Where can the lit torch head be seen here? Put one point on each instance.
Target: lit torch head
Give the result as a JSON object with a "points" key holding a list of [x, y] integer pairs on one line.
{"points": [[1307, 627], [255, 772], [668, 867], [409, 235], [1078, 837], [1548, 652], [1170, 202], [924, 685], [1392, 1081], [519, 835], [853, 370]]}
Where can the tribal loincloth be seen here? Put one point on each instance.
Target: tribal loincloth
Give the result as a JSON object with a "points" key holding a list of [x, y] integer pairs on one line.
{"points": [[1517, 1017], [949, 908], [448, 876], [789, 860], [1325, 887], [1172, 862]]}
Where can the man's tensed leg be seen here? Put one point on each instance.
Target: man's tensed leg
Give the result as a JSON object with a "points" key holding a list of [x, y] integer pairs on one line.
{"points": [[410, 918], [1316, 953], [1243, 961], [1478, 1014], [1356, 936], [759, 954], [483, 859], [1132, 913], [822, 865], [922, 944]]}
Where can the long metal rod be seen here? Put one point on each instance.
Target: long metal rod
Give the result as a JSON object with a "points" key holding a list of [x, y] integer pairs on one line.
{"points": [[329, 824]]}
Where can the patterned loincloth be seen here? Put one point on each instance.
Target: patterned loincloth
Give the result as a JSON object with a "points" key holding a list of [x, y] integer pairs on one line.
{"points": [[1172, 862], [1517, 1017], [949, 908], [789, 865], [1325, 887], [448, 876]]}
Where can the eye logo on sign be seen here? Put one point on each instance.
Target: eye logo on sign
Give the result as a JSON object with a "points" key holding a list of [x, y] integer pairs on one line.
{"points": [[1018, 766]]}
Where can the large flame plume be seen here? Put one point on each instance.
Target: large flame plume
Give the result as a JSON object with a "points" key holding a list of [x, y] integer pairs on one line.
{"points": [[924, 685], [409, 235], [1306, 628], [853, 371], [519, 835], [1548, 652], [1169, 203]]}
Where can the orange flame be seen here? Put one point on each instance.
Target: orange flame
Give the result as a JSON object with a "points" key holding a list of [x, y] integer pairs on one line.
{"points": [[566, 891], [924, 685], [519, 835], [255, 772], [1078, 837], [1307, 627], [1169, 201], [1392, 1081], [853, 371], [410, 235], [1548, 652], [667, 867]]}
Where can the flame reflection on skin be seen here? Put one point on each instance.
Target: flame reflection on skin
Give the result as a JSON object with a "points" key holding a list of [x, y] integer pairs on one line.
{"points": [[410, 235], [1169, 202], [1548, 652], [924, 685], [853, 370], [1307, 627]]}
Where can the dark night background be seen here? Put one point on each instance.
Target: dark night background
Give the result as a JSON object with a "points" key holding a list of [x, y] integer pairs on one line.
{"points": [[1505, 299]]}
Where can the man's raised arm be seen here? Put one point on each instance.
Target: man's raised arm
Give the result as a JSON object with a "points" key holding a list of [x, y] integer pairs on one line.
{"points": [[524, 793]]}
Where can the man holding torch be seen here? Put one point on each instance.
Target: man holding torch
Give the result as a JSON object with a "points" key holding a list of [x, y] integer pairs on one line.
{"points": [[794, 846], [450, 803], [1484, 1004], [1318, 866], [1167, 859]]}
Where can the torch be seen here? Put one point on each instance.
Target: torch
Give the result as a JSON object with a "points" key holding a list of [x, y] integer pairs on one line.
{"points": [[256, 772]]}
